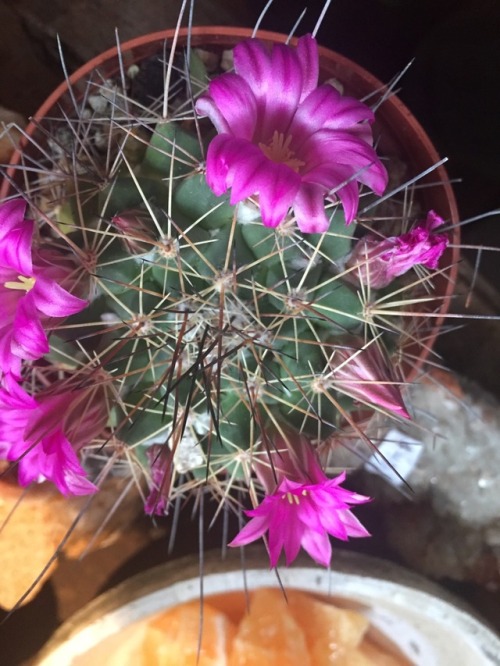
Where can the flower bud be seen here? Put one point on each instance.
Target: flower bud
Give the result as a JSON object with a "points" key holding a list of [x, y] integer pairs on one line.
{"points": [[135, 232], [365, 374]]}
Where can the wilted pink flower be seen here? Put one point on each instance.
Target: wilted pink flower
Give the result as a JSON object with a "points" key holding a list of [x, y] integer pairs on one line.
{"points": [[364, 374], [287, 140], [27, 293], [44, 434], [302, 512], [160, 458], [378, 262], [287, 455]]}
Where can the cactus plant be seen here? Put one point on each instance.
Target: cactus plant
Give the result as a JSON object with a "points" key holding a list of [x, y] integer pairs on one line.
{"points": [[219, 338]]}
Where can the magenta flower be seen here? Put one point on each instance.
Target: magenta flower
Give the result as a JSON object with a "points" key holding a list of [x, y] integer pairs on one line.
{"points": [[287, 140], [44, 434], [377, 262], [304, 509], [28, 295], [303, 515], [364, 374]]}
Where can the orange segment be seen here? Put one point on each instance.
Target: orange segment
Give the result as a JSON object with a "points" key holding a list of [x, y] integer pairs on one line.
{"points": [[330, 632], [268, 635], [172, 638]]}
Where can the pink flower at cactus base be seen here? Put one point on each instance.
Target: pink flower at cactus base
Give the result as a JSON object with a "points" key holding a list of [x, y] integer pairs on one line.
{"points": [[302, 513], [27, 293], [44, 434], [378, 262], [286, 139]]}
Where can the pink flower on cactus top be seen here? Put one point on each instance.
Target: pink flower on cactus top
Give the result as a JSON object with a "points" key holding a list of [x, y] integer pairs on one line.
{"points": [[378, 262], [306, 506], [36, 434], [303, 515], [282, 137], [28, 296]]}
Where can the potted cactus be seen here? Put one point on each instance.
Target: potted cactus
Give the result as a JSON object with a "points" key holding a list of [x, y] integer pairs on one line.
{"points": [[218, 266]]}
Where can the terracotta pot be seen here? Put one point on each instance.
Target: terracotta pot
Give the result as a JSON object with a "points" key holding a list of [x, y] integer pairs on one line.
{"points": [[396, 132], [408, 614]]}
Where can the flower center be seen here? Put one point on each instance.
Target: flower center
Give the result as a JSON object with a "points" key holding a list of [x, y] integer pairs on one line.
{"points": [[24, 283], [278, 150]]}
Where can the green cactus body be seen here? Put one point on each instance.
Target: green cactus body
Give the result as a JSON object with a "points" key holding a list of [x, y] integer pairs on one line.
{"points": [[221, 327]]}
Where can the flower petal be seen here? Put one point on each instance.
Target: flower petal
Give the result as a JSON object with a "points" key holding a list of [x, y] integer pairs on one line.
{"points": [[246, 173], [222, 151], [284, 92], [206, 107], [353, 526], [9, 362], [54, 301], [307, 53], [318, 545], [15, 248], [326, 108], [232, 95], [29, 340], [349, 196], [295, 530], [252, 62], [349, 151], [278, 186], [276, 79], [253, 530], [309, 209]]}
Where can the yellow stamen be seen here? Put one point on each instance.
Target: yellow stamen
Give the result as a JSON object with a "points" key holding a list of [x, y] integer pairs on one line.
{"points": [[24, 284], [278, 150], [291, 498]]}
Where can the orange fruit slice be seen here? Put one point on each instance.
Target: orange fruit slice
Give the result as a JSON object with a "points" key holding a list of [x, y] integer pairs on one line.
{"points": [[173, 638], [330, 632], [268, 635]]}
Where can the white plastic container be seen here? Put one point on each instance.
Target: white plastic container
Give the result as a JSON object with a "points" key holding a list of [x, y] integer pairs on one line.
{"points": [[426, 624]]}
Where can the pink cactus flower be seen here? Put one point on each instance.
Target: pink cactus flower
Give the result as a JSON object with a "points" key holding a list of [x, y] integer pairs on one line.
{"points": [[28, 295], [44, 434], [377, 262], [302, 513], [285, 139]]}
